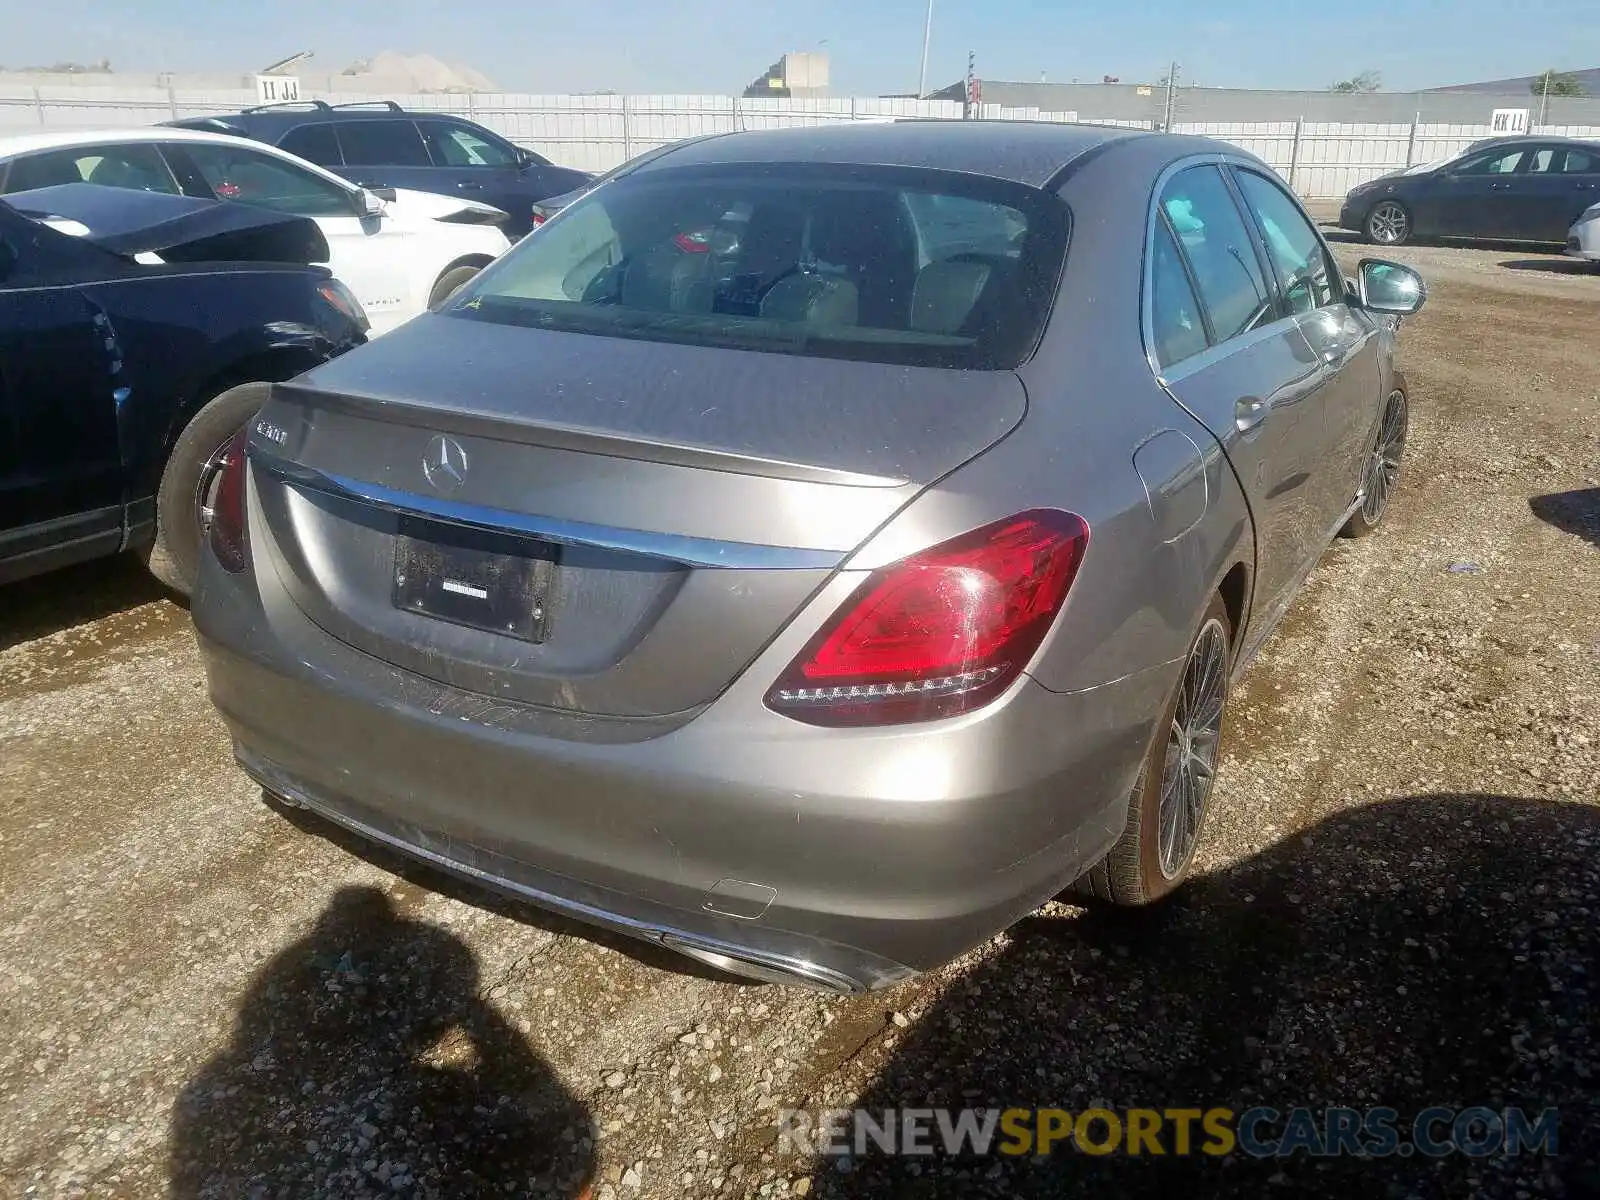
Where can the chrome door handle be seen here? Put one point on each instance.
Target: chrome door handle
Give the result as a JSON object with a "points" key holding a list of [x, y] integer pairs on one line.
{"points": [[1248, 413]]}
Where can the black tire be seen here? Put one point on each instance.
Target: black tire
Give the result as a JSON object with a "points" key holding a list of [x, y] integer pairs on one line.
{"points": [[1380, 227], [1132, 872], [1381, 473], [174, 557], [448, 283]]}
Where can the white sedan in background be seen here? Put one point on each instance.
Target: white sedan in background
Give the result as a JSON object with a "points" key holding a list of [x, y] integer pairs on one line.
{"points": [[399, 251], [1583, 239]]}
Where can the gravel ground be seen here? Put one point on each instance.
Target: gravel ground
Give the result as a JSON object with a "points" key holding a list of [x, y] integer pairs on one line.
{"points": [[1397, 903]]}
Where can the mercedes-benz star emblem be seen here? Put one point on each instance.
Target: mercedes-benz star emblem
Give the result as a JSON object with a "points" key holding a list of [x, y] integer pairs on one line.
{"points": [[444, 465]]}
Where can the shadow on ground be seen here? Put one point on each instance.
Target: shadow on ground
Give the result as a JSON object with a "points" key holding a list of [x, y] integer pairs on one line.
{"points": [[1552, 266], [1576, 512], [75, 595], [1434, 950], [365, 1063]]}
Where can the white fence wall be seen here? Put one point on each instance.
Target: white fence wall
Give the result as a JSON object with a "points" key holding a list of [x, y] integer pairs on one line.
{"points": [[597, 132]]}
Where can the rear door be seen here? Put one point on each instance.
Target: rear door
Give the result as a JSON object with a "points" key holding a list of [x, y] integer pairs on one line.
{"points": [[366, 253], [61, 478], [1312, 292], [1562, 181], [1225, 353]]}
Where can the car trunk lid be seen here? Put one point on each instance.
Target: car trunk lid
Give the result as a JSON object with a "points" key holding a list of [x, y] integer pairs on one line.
{"points": [[667, 509]]}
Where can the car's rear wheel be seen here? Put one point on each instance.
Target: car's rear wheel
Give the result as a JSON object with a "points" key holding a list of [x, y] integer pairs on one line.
{"points": [[189, 481], [449, 283], [1167, 810], [1389, 223], [1381, 473]]}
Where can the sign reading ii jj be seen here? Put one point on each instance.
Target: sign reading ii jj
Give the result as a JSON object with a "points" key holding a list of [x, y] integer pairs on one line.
{"points": [[277, 89]]}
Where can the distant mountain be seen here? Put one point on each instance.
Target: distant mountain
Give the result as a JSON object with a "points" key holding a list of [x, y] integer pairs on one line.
{"points": [[1519, 86], [402, 73]]}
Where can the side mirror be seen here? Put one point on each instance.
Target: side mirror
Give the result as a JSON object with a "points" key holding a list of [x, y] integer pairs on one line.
{"points": [[1387, 287], [370, 204]]}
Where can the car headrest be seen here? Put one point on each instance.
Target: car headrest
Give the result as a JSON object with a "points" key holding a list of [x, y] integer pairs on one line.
{"points": [[946, 293], [813, 300]]}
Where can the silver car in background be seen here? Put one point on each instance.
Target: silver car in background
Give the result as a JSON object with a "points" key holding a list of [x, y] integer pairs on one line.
{"points": [[820, 597]]}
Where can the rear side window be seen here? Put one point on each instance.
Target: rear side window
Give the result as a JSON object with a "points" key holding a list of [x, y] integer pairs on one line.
{"points": [[1180, 331], [382, 144], [884, 264], [1216, 243], [1307, 277], [1581, 162], [136, 165], [314, 143]]}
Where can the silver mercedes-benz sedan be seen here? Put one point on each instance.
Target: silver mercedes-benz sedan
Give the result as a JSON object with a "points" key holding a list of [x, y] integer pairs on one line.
{"points": [[814, 549]]}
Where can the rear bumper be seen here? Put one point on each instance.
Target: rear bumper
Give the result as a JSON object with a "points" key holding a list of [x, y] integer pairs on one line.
{"points": [[1351, 215], [843, 859]]}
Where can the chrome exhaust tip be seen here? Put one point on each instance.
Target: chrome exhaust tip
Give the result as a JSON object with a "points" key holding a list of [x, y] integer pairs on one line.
{"points": [[783, 971]]}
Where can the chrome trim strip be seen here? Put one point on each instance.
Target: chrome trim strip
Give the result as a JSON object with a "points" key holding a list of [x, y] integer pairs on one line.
{"points": [[689, 551], [767, 967]]}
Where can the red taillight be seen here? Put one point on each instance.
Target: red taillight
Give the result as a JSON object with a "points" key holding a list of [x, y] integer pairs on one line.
{"points": [[539, 218], [228, 538], [941, 632]]}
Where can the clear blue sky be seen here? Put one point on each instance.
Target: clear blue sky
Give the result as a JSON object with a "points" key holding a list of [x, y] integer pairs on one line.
{"points": [[875, 45]]}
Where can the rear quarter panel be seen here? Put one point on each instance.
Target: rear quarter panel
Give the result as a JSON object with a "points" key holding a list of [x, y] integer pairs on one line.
{"points": [[185, 334], [1164, 532]]}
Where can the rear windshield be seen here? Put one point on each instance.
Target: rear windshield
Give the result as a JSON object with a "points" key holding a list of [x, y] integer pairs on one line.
{"points": [[916, 267]]}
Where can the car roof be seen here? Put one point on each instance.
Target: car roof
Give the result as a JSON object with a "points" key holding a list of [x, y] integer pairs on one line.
{"points": [[315, 112], [1026, 152], [1520, 139], [65, 139], [11, 147]]}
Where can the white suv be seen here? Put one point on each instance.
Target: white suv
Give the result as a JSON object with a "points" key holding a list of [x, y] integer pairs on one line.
{"points": [[399, 251]]}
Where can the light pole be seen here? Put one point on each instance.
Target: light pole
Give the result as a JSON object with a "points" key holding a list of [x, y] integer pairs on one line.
{"points": [[927, 36]]}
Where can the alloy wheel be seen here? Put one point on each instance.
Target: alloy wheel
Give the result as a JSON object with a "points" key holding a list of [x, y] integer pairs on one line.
{"points": [[1383, 465], [1388, 224], [1192, 745]]}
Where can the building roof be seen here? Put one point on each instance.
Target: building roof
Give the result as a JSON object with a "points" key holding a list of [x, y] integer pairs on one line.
{"points": [[1028, 152], [1589, 80]]}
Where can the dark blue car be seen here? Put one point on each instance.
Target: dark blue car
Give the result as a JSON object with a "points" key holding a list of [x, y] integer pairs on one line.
{"points": [[1524, 189], [381, 145], [139, 332]]}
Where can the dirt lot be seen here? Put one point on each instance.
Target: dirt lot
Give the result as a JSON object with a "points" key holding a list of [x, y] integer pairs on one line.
{"points": [[1399, 903]]}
